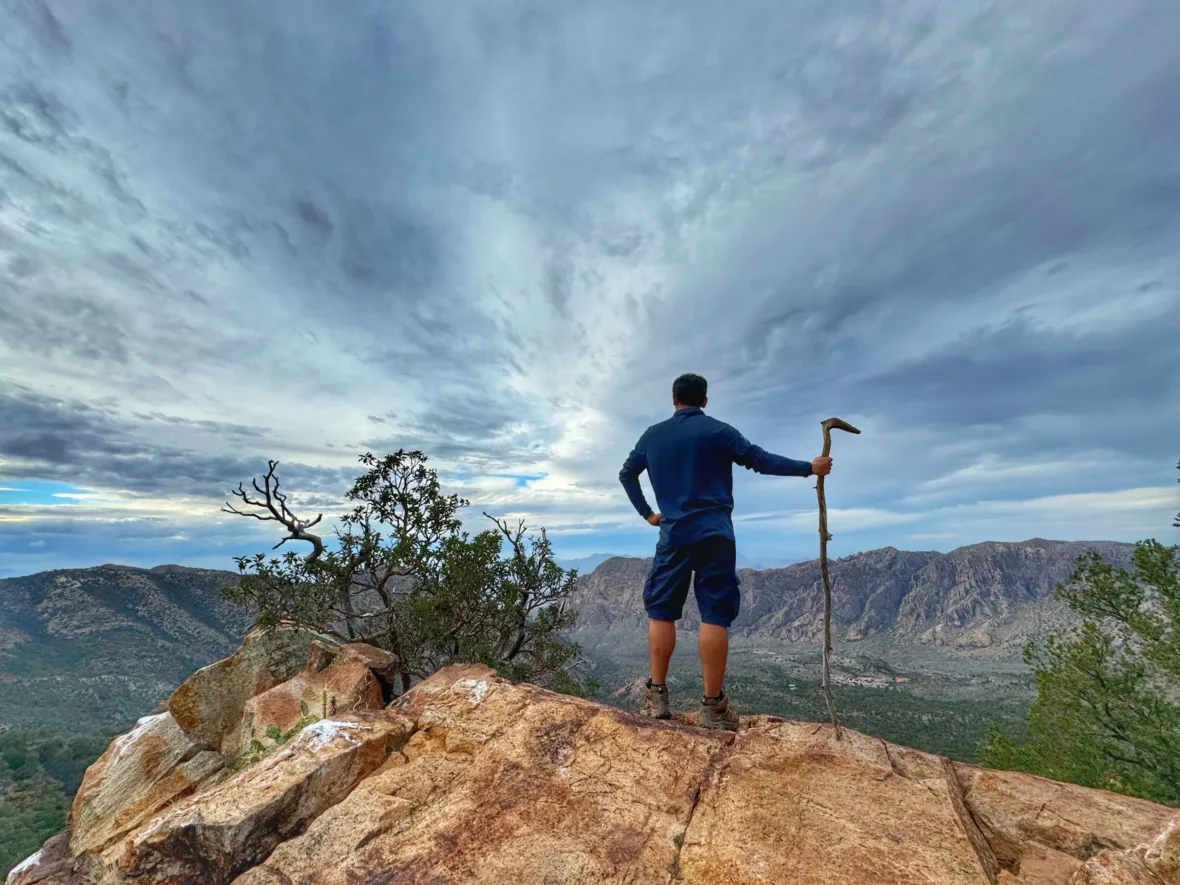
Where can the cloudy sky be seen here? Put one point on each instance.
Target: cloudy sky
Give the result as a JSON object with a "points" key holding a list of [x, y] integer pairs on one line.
{"points": [[237, 229]]}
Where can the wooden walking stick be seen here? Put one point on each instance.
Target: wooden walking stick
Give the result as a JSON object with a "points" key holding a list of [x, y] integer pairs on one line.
{"points": [[824, 537]]}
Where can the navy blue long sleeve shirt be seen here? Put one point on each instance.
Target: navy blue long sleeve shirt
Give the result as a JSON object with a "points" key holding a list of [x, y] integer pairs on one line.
{"points": [[690, 459]]}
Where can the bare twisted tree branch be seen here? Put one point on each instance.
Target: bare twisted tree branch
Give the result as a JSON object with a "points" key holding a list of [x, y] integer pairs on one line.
{"points": [[274, 503]]}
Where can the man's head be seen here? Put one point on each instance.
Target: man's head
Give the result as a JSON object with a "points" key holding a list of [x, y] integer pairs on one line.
{"points": [[690, 390]]}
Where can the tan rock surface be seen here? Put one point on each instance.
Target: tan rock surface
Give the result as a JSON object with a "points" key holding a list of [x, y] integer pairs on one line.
{"points": [[209, 704], [504, 784], [1040, 866], [1116, 868], [346, 684], [1163, 854], [142, 771], [470, 779], [1018, 810], [1156, 862], [788, 803], [224, 830]]}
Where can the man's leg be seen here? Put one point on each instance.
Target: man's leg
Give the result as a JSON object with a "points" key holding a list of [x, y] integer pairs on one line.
{"points": [[661, 641], [663, 599], [718, 598], [714, 648]]}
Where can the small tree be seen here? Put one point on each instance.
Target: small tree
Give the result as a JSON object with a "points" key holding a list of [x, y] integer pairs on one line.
{"points": [[405, 577], [1107, 712]]}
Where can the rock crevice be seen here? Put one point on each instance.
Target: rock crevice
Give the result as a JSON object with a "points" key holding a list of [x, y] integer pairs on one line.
{"points": [[710, 767], [971, 828]]}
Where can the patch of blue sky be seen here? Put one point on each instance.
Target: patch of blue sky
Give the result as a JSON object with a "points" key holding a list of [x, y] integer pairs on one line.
{"points": [[39, 492], [520, 480]]}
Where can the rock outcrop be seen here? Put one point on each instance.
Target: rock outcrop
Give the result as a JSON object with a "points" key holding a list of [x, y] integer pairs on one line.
{"points": [[468, 778]]}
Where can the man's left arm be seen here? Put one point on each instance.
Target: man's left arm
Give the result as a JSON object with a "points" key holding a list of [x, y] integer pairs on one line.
{"points": [[635, 464]]}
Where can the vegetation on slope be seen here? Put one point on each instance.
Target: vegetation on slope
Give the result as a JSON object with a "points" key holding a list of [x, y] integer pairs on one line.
{"points": [[39, 775], [1107, 712]]}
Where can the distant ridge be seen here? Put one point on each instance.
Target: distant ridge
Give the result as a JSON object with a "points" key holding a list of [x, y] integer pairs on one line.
{"points": [[991, 596], [97, 647], [91, 648]]}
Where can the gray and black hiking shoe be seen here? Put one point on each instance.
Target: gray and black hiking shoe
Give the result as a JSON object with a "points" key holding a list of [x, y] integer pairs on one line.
{"points": [[655, 704], [717, 713]]}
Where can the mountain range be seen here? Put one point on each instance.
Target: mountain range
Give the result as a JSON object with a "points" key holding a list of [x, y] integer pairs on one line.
{"points": [[990, 596], [586, 564], [87, 649]]}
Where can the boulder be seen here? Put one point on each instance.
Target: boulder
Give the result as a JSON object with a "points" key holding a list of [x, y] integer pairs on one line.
{"points": [[382, 664], [52, 865], [141, 772], [209, 704], [218, 833], [1017, 811], [503, 783], [346, 684], [1156, 862], [1163, 854]]}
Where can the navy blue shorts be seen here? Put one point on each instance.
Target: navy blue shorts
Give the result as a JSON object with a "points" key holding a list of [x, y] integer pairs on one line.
{"points": [[714, 560]]}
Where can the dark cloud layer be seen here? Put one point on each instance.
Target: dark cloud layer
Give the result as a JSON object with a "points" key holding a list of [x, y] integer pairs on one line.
{"points": [[88, 446]]}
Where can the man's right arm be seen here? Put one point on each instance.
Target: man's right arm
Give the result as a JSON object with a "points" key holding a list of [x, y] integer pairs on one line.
{"points": [[635, 464], [752, 457]]}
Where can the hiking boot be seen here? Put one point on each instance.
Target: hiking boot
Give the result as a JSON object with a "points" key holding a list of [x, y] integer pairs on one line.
{"points": [[716, 713], [655, 704]]}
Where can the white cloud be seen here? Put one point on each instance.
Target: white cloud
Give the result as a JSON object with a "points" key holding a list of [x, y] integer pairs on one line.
{"points": [[1087, 504], [991, 469]]}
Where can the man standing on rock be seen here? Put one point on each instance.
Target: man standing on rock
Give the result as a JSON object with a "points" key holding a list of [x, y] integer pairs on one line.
{"points": [[690, 459]]}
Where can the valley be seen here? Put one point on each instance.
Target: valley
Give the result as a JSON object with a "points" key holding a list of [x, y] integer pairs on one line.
{"points": [[930, 698], [927, 644]]}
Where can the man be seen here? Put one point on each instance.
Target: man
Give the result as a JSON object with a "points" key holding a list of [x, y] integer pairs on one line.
{"points": [[690, 459]]}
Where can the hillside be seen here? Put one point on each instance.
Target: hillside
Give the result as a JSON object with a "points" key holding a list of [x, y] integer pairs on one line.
{"points": [[92, 649], [87, 649], [990, 596], [471, 779]]}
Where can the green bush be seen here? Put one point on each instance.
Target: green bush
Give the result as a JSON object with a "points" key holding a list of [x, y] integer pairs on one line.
{"points": [[1107, 712]]}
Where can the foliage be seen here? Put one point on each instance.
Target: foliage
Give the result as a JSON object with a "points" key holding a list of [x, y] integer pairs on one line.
{"points": [[39, 775], [1107, 712], [404, 576]]}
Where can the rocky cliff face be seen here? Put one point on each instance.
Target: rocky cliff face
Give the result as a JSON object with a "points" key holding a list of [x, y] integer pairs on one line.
{"points": [[93, 648], [990, 595], [470, 779]]}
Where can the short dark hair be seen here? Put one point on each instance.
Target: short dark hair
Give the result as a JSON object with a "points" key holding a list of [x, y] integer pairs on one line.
{"points": [[690, 390]]}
